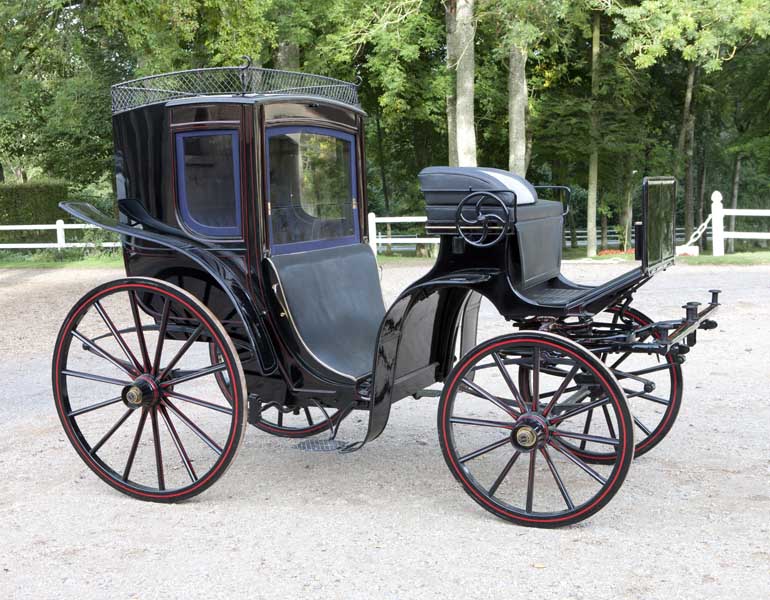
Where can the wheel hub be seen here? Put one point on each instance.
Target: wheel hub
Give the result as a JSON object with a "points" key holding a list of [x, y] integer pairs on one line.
{"points": [[144, 391], [530, 432]]}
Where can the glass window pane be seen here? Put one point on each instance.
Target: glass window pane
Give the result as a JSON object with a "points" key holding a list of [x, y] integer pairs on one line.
{"points": [[311, 189], [208, 190]]}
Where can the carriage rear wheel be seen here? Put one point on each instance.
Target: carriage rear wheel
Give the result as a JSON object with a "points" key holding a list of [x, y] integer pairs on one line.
{"points": [[516, 458], [137, 394], [281, 421]]}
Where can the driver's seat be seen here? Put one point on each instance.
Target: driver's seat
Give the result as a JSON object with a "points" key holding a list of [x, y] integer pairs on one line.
{"points": [[333, 300]]}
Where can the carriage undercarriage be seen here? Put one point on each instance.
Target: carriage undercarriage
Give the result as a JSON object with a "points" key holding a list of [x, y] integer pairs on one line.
{"points": [[279, 321]]}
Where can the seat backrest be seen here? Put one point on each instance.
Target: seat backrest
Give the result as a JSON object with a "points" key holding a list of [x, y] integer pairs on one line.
{"points": [[334, 300], [539, 242]]}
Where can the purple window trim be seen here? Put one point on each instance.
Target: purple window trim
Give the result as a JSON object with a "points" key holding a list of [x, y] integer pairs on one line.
{"points": [[187, 218], [292, 247]]}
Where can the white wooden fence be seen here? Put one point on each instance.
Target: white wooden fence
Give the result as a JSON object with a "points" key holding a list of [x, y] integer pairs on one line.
{"points": [[61, 242], [378, 239], [718, 213]]}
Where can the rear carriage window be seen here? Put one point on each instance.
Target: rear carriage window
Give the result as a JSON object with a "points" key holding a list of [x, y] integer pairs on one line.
{"points": [[311, 188], [207, 182]]}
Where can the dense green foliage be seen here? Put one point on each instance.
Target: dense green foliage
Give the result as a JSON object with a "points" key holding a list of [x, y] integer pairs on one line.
{"points": [[25, 203], [59, 57]]}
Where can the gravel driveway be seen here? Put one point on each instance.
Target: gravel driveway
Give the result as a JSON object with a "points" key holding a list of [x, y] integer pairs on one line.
{"points": [[692, 520]]}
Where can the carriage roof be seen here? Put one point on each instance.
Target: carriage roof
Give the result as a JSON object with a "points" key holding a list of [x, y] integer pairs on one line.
{"points": [[241, 84]]}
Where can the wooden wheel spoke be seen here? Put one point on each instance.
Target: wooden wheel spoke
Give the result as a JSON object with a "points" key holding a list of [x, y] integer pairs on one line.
{"points": [[98, 405], [504, 473], [557, 478], [642, 426], [507, 377], [185, 398], [181, 352], [158, 452], [480, 422], [531, 481], [597, 439], [161, 334], [195, 374], [579, 410], [481, 392], [178, 443], [92, 377], [577, 461], [194, 428], [134, 445], [94, 449], [116, 334], [99, 351], [535, 380], [139, 330], [560, 390], [484, 450]]}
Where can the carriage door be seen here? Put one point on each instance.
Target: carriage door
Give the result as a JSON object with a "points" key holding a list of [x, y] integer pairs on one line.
{"points": [[311, 189]]}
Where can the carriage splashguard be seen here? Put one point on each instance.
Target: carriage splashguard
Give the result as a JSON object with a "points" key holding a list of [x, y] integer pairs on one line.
{"points": [[252, 296]]}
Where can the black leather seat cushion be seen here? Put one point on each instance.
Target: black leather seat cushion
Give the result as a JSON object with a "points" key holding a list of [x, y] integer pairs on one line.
{"points": [[335, 302]]}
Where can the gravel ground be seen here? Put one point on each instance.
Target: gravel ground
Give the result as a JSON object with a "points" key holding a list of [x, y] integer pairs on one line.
{"points": [[692, 520]]}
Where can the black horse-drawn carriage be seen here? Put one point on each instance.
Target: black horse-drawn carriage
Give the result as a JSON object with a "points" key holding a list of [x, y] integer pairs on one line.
{"points": [[252, 296]]}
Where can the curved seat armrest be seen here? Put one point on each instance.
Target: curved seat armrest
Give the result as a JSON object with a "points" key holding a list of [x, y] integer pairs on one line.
{"points": [[136, 211]]}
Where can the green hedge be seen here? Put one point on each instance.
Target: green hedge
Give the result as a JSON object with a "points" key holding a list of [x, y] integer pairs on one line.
{"points": [[32, 203]]}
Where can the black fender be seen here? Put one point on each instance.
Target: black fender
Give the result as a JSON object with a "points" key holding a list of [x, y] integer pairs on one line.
{"points": [[248, 311], [416, 341]]}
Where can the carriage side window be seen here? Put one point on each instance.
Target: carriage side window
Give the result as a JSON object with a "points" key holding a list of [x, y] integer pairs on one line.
{"points": [[208, 185], [312, 189]]}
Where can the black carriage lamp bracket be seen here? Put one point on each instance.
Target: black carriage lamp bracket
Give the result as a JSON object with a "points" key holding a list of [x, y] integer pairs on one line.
{"points": [[244, 71]]}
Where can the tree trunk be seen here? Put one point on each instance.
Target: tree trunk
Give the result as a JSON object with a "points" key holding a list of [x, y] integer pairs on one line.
{"points": [[287, 56], [21, 174], [702, 195], [451, 99], [381, 160], [734, 203], [627, 217], [689, 180], [2, 174], [593, 163], [604, 226], [686, 112], [466, 132], [518, 99]]}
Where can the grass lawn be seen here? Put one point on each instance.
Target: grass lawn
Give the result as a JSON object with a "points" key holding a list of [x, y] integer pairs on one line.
{"points": [[51, 260]]}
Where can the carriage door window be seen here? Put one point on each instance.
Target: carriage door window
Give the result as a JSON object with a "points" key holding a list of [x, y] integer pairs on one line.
{"points": [[207, 182], [311, 187]]}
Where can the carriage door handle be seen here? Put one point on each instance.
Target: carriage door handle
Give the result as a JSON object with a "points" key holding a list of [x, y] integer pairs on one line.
{"points": [[279, 297]]}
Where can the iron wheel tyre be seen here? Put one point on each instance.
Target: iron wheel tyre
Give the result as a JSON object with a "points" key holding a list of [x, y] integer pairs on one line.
{"points": [[136, 338], [485, 427]]}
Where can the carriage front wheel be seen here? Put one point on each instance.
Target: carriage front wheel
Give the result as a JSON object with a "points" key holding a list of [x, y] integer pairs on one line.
{"points": [[516, 457], [137, 394]]}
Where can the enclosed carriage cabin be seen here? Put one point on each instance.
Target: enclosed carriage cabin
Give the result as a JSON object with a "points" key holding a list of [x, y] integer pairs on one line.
{"points": [[263, 172]]}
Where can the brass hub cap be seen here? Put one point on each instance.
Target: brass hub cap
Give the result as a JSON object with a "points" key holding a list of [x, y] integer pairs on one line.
{"points": [[529, 433], [144, 391]]}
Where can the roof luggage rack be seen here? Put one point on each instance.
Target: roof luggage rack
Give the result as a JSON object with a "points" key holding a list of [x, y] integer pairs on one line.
{"points": [[218, 81]]}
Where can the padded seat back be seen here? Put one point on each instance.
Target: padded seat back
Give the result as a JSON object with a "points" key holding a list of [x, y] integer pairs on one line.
{"points": [[539, 243], [334, 300]]}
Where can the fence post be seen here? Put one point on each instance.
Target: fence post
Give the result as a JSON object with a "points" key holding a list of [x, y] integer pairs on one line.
{"points": [[60, 241], [717, 225], [372, 218]]}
